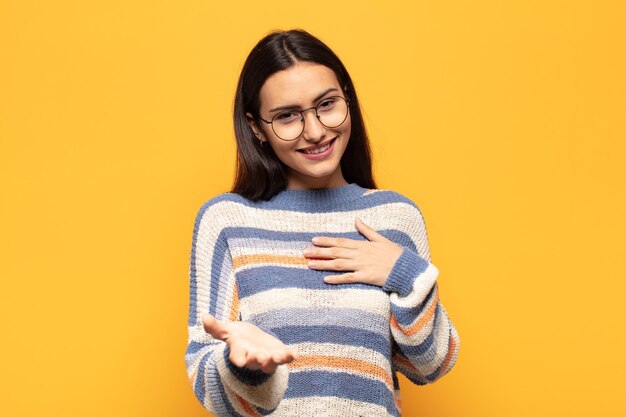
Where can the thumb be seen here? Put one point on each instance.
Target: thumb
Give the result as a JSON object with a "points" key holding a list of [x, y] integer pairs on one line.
{"points": [[214, 327]]}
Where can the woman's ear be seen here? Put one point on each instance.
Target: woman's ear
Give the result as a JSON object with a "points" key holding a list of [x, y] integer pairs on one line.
{"points": [[254, 125]]}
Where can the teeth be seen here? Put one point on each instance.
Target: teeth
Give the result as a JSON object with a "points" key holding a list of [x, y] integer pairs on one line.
{"points": [[320, 150]]}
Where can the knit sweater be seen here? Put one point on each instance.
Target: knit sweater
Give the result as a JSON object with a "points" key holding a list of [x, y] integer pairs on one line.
{"points": [[247, 264]]}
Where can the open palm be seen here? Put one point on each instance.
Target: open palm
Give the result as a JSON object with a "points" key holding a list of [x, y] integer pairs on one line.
{"points": [[249, 345]]}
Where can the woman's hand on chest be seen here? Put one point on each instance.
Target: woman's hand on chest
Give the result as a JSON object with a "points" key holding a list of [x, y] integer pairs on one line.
{"points": [[368, 262]]}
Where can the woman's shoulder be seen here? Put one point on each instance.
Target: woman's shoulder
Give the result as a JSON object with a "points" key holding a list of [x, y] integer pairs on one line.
{"points": [[223, 206], [382, 196], [224, 199], [404, 214]]}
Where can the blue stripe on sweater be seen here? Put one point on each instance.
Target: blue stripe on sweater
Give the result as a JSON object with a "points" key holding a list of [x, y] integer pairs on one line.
{"points": [[264, 278], [199, 387], [347, 385], [238, 232], [194, 346], [348, 317]]}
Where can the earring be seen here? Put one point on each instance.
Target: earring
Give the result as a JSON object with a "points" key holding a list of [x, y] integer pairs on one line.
{"points": [[262, 142]]}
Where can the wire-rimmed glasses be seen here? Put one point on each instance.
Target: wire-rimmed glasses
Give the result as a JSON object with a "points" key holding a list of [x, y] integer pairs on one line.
{"points": [[289, 124]]}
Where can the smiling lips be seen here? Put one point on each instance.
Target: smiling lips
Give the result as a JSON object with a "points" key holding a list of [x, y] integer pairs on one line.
{"points": [[317, 149]]}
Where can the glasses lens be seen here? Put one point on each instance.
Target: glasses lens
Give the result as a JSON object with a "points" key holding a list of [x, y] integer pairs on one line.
{"points": [[288, 125], [332, 111]]}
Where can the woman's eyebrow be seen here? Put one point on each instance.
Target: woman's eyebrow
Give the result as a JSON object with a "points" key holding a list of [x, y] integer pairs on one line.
{"points": [[294, 106]]}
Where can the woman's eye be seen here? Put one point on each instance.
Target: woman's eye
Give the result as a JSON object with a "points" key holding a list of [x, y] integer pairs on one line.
{"points": [[285, 116], [326, 104]]}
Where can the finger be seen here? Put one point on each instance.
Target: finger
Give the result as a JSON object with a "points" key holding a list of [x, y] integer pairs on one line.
{"points": [[269, 367], [292, 355], [214, 327], [238, 355], [341, 279], [252, 360], [285, 355], [368, 232], [334, 252], [336, 241], [268, 362], [339, 264], [262, 358], [282, 356]]}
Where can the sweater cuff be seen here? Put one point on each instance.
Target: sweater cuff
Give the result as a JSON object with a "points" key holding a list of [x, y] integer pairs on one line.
{"points": [[407, 268], [246, 375]]}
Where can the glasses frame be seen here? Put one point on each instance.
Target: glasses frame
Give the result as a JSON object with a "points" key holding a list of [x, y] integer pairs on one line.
{"points": [[303, 120]]}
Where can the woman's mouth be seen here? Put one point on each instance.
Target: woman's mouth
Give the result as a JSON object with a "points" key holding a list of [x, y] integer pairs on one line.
{"points": [[321, 152]]}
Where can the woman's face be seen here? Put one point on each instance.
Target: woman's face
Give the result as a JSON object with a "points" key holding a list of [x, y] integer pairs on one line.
{"points": [[304, 85]]}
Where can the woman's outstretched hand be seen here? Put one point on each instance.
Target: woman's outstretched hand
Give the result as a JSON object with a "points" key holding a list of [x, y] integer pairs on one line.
{"points": [[249, 346], [370, 261]]}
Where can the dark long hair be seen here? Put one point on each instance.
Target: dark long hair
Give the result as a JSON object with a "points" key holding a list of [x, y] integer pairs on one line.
{"points": [[260, 174]]}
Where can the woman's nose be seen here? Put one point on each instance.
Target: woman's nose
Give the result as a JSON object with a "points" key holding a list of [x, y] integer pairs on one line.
{"points": [[313, 128]]}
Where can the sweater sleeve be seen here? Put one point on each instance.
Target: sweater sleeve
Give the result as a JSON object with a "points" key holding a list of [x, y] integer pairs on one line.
{"points": [[221, 387], [426, 343]]}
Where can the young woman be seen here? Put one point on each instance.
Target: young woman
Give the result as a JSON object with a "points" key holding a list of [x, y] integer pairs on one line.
{"points": [[310, 288]]}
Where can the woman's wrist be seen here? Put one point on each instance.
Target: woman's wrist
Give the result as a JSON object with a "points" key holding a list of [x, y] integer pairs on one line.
{"points": [[404, 272]]}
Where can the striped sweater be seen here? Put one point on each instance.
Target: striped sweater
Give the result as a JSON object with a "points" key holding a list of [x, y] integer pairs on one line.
{"points": [[247, 264]]}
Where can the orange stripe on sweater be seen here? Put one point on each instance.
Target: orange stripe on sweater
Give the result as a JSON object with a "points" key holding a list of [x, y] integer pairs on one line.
{"points": [[343, 363], [425, 318], [446, 361], [234, 305], [247, 407], [244, 260], [398, 400], [403, 361]]}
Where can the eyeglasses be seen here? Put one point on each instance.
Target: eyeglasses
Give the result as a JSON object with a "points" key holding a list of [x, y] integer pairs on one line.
{"points": [[289, 125]]}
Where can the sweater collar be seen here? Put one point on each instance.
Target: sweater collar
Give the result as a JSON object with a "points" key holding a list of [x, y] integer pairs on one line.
{"points": [[318, 198]]}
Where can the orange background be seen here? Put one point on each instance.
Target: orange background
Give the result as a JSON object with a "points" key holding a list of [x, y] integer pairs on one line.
{"points": [[504, 121]]}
